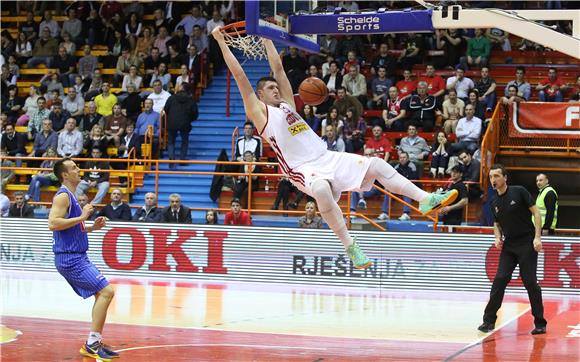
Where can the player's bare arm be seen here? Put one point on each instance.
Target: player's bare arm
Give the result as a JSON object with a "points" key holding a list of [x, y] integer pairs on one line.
{"points": [[99, 223], [275, 62], [498, 235], [60, 206]]}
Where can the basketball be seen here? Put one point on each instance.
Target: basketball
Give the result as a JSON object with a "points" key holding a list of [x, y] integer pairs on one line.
{"points": [[313, 91]]}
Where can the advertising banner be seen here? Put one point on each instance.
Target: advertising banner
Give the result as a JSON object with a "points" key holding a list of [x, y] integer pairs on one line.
{"points": [[545, 120]]}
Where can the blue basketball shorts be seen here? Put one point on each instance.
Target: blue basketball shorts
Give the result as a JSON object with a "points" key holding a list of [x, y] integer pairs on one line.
{"points": [[82, 275]]}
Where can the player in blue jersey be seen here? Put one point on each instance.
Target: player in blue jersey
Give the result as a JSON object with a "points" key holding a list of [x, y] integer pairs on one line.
{"points": [[70, 244]]}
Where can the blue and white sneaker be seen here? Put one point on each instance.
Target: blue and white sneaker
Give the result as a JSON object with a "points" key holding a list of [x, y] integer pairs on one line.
{"points": [[96, 351]]}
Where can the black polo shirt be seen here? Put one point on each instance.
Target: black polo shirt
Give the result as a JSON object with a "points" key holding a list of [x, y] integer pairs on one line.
{"points": [[455, 217], [512, 211]]}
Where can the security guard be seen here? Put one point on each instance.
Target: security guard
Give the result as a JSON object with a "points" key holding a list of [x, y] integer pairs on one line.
{"points": [[547, 203], [519, 241]]}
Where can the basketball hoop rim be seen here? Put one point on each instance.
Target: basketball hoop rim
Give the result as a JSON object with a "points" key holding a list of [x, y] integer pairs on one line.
{"points": [[235, 29]]}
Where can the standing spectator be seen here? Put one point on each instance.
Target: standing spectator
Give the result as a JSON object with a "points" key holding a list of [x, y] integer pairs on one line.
{"points": [[435, 83], [295, 67], [412, 51], [6, 175], [176, 213], [42, 178], [439, 156], [13, 142], [45, 140], [478, 51], [333, 143], [345, 101], [44, 49], [147, 118], [89, 120], [547, 203], [192, 62], [74, 104], [453, 109], [49, 23], [551, 88], [410, 171], [95, 179], [453, 214], [58, 116], [310, 220], [406, 86], [159, 97], [73, 26], [248, 142], [180, 110], [415, 147], [70, 140], [524, 89], [468, 131], [486, 88], [115, 125], [383, 59], [105, 101], [35, 122], [394, 114], [237, 216], [149, 212], [460, 83], [116, 210], [421, 109], [20, 208], [380, 88]]}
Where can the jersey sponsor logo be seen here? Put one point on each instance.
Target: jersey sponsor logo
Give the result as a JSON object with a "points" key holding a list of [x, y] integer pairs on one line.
{"points": [[298, 128]]}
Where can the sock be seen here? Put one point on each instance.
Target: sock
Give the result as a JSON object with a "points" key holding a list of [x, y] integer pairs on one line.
{"points": [[442, 170], [394, 181], [94, 337], [331, 212]]}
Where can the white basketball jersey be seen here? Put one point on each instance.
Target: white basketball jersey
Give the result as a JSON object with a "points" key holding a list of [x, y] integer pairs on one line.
{"points": [[294, 142]]}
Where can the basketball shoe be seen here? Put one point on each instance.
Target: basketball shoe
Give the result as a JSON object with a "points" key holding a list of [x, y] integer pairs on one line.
{"points": [[96, 351], [358, 257], [436, 200]]}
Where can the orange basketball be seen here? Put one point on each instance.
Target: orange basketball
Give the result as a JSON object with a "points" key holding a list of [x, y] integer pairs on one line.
{"points": [[313, 91]]}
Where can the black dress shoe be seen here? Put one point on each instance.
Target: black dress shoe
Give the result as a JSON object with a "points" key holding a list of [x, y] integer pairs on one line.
{"points": [[293, 205], [486, 327], [539, 330]]}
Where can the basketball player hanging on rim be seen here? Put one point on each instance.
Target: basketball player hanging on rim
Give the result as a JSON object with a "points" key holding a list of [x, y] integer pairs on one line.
{"points": [[303, 156], [70, 244]]}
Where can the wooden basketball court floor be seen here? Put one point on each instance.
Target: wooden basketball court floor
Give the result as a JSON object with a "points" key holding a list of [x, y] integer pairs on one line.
{"points": [[42, 319]]}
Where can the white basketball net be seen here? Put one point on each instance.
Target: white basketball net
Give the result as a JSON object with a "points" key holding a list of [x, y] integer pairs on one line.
{"points": [[251, 45]]}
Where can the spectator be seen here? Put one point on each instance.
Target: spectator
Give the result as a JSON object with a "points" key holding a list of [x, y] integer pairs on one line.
{"points": [[237, 216], [179, 41], [215, 55], [332, 142], [383, 59], [421, 109], [20, 208], [345, 101], [248, 142], [333, 79], [460, 83], [295, 67], [180, 110], [440, 153], [161, 41], [123, 68], [131, 105], [116, 210], [468, 131], [45, 140], [92, 27], [95, 178], [176, 213], [486, 88], [28, 28], [6, 175], [192, 62], [551, 88], [74, 104], [53, 83], [415, 147], [42, 178], [241, 182], [451, 42], [70, 141], [310, 118], [412, 51], [44, 49], [524, 88], [199, 39], [116, 44], [149, 212], [129, 144], [151, 63], [328, 44], [23, 49], [285, 187], [353, 132], [73, 26], [97, 139], [575, 94], [393, 114], [49, 23], [333, 119], [355, 85], [190, 21], [58, 116], [134, 8], [12, 104], [89, 120], [105, 101], [310, 220], [380, 89], [183, 77], [144, 44], [478, 105], [471, 173], [159, 96], [96, 83], [174, 59], [435, 83], [160, 74], [478, 51], [4, 205], [130, 78], [512, 96], [35, 122], [30, 106], [115, 125], [406, 86], [410, 171], [350, 60], [147, 118], [453, 109], [211, 217], [13, 142], [453, 214], [133, 29], [499, 38], [159, 20], [346, 44]]}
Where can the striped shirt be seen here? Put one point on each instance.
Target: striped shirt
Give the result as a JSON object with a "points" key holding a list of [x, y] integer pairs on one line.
{"points": [[73, 239]]}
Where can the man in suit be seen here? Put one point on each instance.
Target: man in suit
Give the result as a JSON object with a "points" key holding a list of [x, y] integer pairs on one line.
{"points": [[20, 208], [176, 213]]}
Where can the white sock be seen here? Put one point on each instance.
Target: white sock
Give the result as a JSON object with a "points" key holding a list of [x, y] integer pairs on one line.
{"points": [[394, 181], [330, 211], [94, 337]]}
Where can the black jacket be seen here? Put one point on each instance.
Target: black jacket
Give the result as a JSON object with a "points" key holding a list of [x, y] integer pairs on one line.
{"points": [[181, 110], [154, 215], [96, 176], [14, 145], [121, 213], [133, 143], [25, 211], [183, 216], [337, 83]]}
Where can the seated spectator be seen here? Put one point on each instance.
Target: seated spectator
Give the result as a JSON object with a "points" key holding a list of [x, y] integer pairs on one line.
{"points": [[345, 101], [179, 41], [471, 173], [115, 125], [95, 179], [90, 119], [451, 42], [353, 132], [180, 110], [410, 171], [129, 143], [351, 59], [332, 142], [355, 84], [52, 82], [44, 49], [453, 214], [499, 38], [13, 142], [192, 61], [406, 86], [415, 147], [237, 216], [412, 51], [42, 178], [131, 78], [151, 63], [439, 156], [64, 64], [133, 28], [421, 109], [116, 44], [551, 88], [310, 220], [4, 205], [248, 142], [49, 23], [97, 139], [70, 140], [190, 21], [211, 217], [149, 212], [131, 105], [30, 106], [161, 41], [45, 140], [116, 210], [74, 104], [242, 182], [575, 94], [20, 208], [160, 74], [512, 96], [92, 27], [394, 114], [184, 77], [313, 72], [199, 39], [333, 79], [123, 69], [333, 119], [524, 88], [58, 116], [28, 29], [6, 175], [285, 187], [460, 83], [383, 59], [380, 88], [159, 96], [105, 101], [310, 118], [87, 64], [144, 44], [95, 86], [295, 67], [435, 83], [176, 213], [347, 43], [468, 132], [147, 118], [12, 104], [478, 51], [486, 88], [453, 109], [479, 106]]}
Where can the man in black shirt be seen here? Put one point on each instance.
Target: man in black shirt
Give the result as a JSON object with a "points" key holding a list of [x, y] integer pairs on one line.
{"points": [[512, 210], [471, 169], [453, 214]]}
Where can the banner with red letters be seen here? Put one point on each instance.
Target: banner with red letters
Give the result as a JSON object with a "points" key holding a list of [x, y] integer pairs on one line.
{"points": [[545, 120]]}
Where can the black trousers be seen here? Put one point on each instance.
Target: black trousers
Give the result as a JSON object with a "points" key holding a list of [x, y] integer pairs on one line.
{"points": [[513, 253]]}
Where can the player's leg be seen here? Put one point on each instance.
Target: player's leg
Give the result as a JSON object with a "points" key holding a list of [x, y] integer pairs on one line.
{"points": [[395, 182], [332, 214], [94, 346]]}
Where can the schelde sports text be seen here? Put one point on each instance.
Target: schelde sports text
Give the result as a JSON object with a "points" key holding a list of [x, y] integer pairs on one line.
{"points": [[358, 23]]}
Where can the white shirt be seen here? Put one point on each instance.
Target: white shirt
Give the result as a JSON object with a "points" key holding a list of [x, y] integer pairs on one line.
{"points": [[462, 87], [468, 130], [159, 100]]}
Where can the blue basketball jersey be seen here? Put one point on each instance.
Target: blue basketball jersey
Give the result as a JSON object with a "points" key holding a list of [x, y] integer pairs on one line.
{"points": [[73, 239]]}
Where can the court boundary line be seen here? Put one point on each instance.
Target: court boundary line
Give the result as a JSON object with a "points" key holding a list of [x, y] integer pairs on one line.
{"points": [[218, 345], [483, 338]]}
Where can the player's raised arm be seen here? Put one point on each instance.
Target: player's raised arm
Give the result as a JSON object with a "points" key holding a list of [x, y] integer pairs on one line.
{"points": [[255, 109], [276, 65]]}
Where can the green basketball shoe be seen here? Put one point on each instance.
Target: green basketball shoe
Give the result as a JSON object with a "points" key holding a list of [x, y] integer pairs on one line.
{"points": [[435, 201], [358, 257]]}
